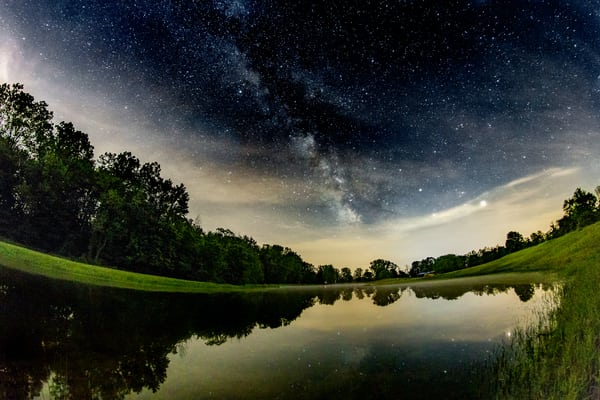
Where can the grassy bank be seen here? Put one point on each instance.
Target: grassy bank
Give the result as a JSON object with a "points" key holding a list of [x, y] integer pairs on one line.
{"points": [[557, 359], [560, 357], [564, 257], [23, 259]]}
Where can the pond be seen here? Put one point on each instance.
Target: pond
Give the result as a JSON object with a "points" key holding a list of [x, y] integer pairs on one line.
{"points": [[430, 340]]}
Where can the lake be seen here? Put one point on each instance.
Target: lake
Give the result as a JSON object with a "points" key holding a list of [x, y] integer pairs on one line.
{"points": [[61, 340]]}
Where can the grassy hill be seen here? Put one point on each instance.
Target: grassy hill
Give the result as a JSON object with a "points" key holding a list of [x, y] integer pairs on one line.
{"points": [[563, 256], [558, 359], [26, 260]]}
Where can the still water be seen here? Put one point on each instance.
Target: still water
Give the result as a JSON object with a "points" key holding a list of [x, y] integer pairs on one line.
{"points": [[433, 340]]}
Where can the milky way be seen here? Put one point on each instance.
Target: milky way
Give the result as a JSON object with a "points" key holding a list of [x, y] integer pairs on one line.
{"points": [[329, 114]]}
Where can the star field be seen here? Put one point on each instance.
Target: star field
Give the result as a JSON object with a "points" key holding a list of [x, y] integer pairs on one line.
{"points": [[315, 115]]}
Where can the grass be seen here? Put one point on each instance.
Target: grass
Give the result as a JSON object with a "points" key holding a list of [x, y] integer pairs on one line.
{"points": [[33, 262], [563, 257], [559, 358]]}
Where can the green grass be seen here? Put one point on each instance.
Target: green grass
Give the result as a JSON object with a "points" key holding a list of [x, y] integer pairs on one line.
{"points": [[559, 357], [33, 262], [563, 257]]}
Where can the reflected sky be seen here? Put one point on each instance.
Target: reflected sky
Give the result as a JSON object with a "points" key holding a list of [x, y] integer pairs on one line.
{"points": [[330, 348], [306, 342]]}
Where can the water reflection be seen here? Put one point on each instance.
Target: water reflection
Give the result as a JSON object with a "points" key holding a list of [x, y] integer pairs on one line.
{"points": [[81, 342]]}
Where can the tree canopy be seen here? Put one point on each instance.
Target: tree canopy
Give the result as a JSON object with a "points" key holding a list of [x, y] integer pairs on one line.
{"points": [[115, 210]]}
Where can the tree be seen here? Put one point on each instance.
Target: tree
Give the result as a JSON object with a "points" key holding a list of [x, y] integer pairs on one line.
{"points": [[138, 217], [582, 208], [358, 274], [415, 268], [10, 176], [345, 275], [514, 241], [23, 121], [327, 274], [47, 174], [383, 269], [281, 265], [57, 194], [243, 264], [536, 238], [449, 262]]}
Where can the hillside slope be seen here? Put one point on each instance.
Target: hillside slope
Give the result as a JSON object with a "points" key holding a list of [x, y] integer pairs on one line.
{"points": [[33, 262], [563, 256], [559, 358]]}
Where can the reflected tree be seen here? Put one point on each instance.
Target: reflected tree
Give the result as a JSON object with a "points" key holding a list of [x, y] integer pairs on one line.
{"points": [[385, 296], [105, 343], [99, 343], [328, 296], [453, 291], [347, 294], [525, 292], [358, 292]]}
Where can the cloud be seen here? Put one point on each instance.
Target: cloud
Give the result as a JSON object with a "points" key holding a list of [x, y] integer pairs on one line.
{"points": [[525, 204], [362, 183]]}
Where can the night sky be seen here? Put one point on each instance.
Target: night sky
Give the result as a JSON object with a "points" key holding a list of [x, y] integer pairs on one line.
{"points": [[346, 130]]}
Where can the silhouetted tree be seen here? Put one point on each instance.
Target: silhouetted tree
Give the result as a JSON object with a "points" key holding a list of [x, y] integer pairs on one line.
{"points": [[358, 275], [281, 265], [514, 241], [345, 275], [536, 238], [383, 269], [582, 208], [327, 274]]}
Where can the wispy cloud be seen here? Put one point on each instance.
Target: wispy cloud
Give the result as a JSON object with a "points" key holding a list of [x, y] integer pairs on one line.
{"points": [[525, 204]]}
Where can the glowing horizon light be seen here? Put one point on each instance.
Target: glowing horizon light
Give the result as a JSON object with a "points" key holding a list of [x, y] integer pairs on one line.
{"points": [[483, 204]]}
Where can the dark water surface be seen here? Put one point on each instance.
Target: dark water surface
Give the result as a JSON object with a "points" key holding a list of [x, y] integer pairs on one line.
{"points": [[66, 341]]}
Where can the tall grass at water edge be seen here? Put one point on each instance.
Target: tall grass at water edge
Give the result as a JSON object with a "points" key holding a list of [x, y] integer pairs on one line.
{"points": [[559, 356]]}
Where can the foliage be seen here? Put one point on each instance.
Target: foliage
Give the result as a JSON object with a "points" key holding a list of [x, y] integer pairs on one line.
{"points": [[514, 241], [557, 358], [116, 210], [385, 269], [327, 274], [34, 262], [580, 210]]}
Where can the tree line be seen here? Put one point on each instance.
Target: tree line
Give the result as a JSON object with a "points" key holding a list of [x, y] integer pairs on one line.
{"points": [[114, 210], [580, 210]]}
